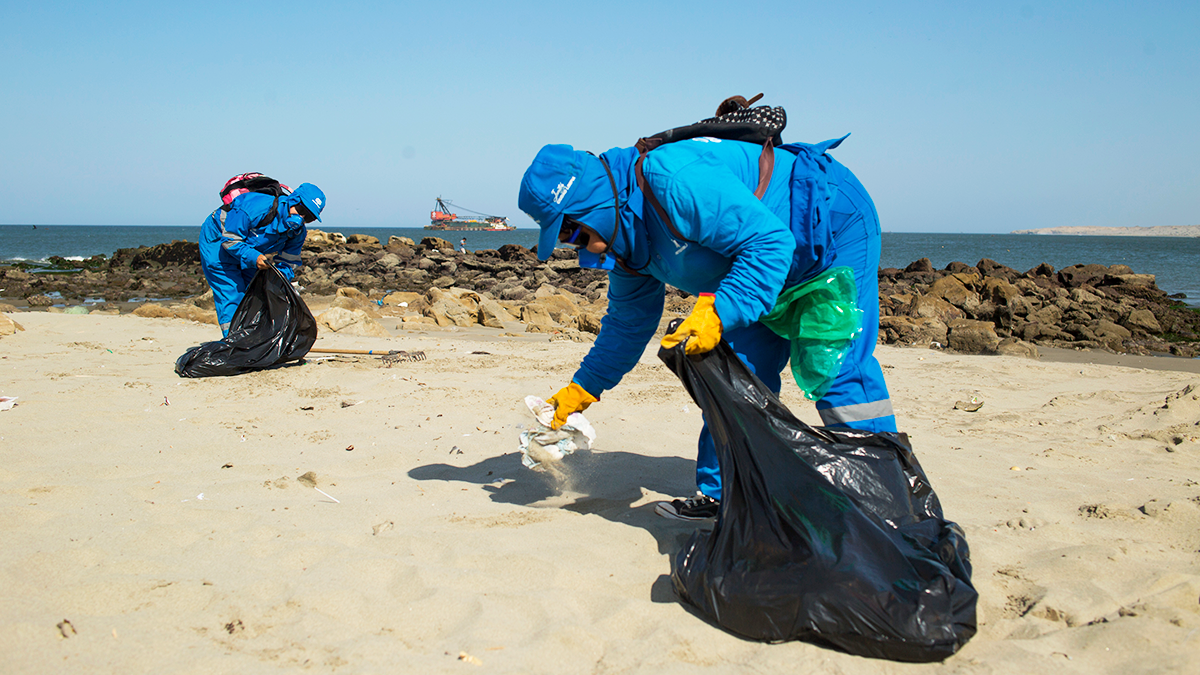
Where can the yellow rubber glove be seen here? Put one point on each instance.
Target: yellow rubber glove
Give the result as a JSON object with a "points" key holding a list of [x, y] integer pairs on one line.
{"points": [[701, 329], [570, 399]]}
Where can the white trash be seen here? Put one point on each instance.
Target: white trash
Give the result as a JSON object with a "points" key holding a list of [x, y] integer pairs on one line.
{"points": [[540, 443]]}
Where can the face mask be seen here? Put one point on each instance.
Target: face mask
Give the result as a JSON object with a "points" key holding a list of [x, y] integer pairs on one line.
{"points": [[596, 261]]}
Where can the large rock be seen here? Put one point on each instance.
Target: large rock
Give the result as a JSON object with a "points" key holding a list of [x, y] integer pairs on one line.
{"points": [[193, 313], [1143, 319], [447, 312], [972, 337], [349, 322], [492, 314], [176, 253], [8, 326], [916, 332], [153, 311], [1011, 346], [931, 307], [318, 240], [536, 315]]}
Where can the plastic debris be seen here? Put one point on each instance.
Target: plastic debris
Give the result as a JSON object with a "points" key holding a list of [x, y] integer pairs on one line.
{"points": [[7, 402], [540, 443]]}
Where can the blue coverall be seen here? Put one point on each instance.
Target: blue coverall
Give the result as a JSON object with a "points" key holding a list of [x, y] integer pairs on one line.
{"points": [[814, 215], [230, 243]]}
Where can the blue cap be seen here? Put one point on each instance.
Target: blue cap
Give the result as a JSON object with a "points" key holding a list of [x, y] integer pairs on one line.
{"points": [[312, 198], [562, 180]]}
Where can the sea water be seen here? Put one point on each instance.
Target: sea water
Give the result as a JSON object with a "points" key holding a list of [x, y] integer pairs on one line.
{"points": [[1175, 261]]}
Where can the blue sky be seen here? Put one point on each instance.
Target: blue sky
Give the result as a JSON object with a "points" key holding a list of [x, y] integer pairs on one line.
{"points": [[966, 116]]}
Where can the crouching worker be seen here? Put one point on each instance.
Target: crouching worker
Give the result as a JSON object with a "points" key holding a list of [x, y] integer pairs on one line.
{"points": [[696, 224], [252, 232]]}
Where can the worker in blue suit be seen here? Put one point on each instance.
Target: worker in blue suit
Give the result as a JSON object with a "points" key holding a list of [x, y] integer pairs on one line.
{"points": [[698, 226], [258, 231]]}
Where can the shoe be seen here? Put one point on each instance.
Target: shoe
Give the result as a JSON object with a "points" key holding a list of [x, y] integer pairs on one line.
{"points": [[699, 507]]}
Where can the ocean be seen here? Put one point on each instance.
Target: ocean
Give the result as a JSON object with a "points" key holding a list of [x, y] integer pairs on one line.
{"points": [[1175, 261]]}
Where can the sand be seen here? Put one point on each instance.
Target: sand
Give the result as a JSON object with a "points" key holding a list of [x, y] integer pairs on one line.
{"points": [[344, 516]]}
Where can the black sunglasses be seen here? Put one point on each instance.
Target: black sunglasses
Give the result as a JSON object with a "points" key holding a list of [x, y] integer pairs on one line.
{"points": [[305, 213], [570, 231]]}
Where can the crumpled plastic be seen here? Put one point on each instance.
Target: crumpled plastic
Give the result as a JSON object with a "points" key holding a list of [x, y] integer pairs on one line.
{"points": [[820, 317], [7, 402], [540, 444], [831, 536]]}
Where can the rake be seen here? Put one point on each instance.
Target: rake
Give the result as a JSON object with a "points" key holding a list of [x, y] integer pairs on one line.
{"points": [[389, 357]]}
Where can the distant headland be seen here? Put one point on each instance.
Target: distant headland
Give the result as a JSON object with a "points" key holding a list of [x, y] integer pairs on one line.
{"points": [[1089, 231]]}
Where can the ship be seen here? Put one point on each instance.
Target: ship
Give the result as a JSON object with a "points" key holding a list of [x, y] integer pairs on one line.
{"points": [[440, 218]]}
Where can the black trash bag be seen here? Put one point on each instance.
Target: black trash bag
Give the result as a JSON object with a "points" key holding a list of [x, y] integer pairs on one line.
{"points": [[272, 325], [831, 537]]}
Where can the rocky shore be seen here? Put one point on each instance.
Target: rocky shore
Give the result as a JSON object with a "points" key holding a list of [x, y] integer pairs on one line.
{"points": [[986, 308]]}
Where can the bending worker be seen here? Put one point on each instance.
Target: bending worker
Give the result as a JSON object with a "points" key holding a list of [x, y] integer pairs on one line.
{"points": [[256, 231], [733, 250]]}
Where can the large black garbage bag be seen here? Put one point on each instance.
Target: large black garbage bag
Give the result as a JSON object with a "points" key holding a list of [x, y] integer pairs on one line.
{"points": [[272, 325], [831, 537]]}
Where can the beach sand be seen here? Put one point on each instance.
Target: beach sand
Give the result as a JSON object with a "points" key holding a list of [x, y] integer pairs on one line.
{"points": [[156, 524]]}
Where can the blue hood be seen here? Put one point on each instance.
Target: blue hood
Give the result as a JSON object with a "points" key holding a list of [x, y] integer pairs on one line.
{"points": [[564, 181]]}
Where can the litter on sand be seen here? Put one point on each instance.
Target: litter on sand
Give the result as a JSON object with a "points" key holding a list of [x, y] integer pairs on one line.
{"points": [[539, 443], [7, 402]]}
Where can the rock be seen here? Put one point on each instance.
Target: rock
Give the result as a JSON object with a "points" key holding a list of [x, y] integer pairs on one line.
{"points": [[364, 240], [204, 301], [39, 301], [194, 313], [492, 314], [536, 315], [447, 312], [999, 291], [176, 253], [5, 307], [153, 311], [402, 298], [8, 326], [934, 308], [588, 322], [318, 240], [972, 337], [954, 290], [558, 306], [922, 265], [387, 261], [1143, 319], [916, 332], [356, 305], [1012, 346], [349, 322]]}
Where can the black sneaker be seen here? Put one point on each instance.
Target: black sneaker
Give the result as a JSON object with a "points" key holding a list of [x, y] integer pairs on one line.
{"points": [[699, 507]]}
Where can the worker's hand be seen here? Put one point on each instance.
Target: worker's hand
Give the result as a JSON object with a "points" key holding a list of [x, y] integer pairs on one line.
{"points": [[570, 399], [264, 261], [701, 329]]}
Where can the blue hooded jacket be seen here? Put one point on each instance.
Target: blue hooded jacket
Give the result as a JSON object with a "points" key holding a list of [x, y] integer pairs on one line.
{"points": [[240, 239], [742, 249]]}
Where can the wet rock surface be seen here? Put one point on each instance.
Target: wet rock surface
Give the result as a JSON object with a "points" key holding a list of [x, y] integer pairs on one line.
{"points": [[985, 308]]}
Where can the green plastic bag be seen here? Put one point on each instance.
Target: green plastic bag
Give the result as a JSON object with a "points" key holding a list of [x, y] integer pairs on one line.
{"points": [[820, 317]]}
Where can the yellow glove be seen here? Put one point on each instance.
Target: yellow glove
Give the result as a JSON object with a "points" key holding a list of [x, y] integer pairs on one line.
{"points": [[701, 329], [570, 399]]}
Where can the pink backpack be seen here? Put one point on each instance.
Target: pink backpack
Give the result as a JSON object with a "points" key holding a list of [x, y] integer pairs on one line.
{"points": [[251, 182]]}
